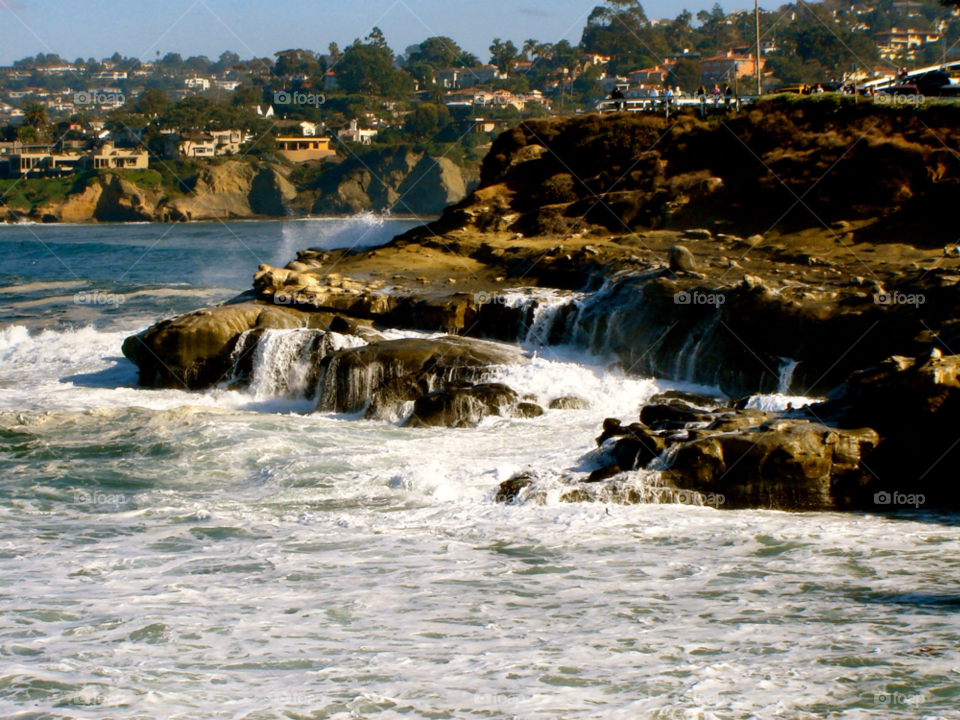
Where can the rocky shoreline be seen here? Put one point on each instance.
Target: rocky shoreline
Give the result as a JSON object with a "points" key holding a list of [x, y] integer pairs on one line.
{"points": [[631, 242]]}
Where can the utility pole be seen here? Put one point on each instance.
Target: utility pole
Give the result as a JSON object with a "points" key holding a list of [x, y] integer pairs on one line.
{"points": [[756, 12]]}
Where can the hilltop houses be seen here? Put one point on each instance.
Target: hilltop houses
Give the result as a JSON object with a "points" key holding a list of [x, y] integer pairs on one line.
{"points": [[26, 160]]}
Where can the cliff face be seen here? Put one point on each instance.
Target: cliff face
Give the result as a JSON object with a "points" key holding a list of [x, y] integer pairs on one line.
{"points": [[397, 179], [233, 190]]}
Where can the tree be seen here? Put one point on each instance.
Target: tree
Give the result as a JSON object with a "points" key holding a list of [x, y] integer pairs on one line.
{"points": [[247, 95], [35, 116], [295, 62], [226, 61], [442, 52], [369, 70], [427, 121], [27, 134], [614, 28], [172, 62], [377, 39], [152, 102], [686, 74], [503, 54]]}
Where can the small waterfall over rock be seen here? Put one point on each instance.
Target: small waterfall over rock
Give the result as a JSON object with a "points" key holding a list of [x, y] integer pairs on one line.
{"points": [[786, 375], [284, 363], [545, 315], [637, 317], [699, 339]]}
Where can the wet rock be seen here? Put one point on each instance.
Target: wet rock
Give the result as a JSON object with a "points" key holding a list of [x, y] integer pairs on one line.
{"points": [[740, 420], [350, 378], [681, 259], [603, 474], [914, 404], [672, 415], [569, 403], [510, 489], [790, 466], [638, 447], [194, 350], [527, 410], [460, 407], [698, 234], [706, 401]]}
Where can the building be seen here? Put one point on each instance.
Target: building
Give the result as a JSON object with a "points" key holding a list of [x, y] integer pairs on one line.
{"points": [[303, 149], [57, 69], [197, 83], [109, 75], [109, 157], [354, 133], [228, 141], [470, 77], [903, 42], [203, 145], [648, 75], [228, 85], [304, 128], [609, 84], [24, 160], [730, 65], [594, 59]]}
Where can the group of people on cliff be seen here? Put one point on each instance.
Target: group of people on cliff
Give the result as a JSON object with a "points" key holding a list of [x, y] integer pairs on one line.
{"points": [[669, 95]]}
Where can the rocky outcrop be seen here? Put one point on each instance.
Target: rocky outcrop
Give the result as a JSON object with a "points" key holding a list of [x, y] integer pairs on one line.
{"points": [[914, 405], [106, 198], [738, 458], [232, 189], [782, 464], [195, 350], [397, 180], [628, 172], [380, 377], [461, 406]]}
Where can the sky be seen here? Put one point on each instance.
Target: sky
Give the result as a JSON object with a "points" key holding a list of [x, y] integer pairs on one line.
{"points": [[141, 28]]}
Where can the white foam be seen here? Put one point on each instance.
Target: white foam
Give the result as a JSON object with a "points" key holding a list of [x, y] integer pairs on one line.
{"points": [[778, 402]]}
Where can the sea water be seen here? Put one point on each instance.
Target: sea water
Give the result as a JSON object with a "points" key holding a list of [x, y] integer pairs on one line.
{"points": [[225, 554]]}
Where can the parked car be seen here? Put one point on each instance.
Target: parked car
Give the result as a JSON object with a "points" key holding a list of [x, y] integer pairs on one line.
{"points": [[793, 88]]}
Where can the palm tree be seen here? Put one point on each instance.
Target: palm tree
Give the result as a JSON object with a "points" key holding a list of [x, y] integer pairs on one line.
{"points": [[35, 116]]}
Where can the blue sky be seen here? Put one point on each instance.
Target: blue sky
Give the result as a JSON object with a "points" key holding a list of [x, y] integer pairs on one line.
{"points": [[139, 28]]}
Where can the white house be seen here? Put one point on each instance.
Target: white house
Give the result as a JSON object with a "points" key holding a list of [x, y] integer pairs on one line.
{"points": [[197, 83]]}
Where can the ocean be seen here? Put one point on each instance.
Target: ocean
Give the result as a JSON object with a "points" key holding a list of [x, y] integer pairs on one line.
{"points": [[232, 554]]}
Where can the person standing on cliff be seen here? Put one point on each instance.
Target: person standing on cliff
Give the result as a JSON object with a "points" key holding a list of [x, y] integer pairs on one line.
{"points": [[618, 97]]}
